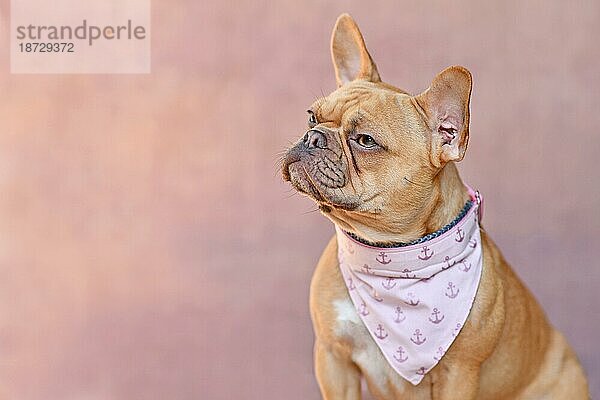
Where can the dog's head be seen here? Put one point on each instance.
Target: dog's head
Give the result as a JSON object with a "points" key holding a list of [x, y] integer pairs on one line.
{"points": [[372, 152]]}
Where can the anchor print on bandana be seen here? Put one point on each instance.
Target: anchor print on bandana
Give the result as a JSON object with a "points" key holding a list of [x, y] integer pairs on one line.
{"points": [[465, 267], [351, 284], [439, 354], [380, 332], [383, 258], [362, 310], [436, 316], [406, 273], [456, 330], [426, 253], [376, 296], [418, 338], [449, 264], [400, 317], [415, 299], [460, 235], [388, 283], [400, 355], [452, 291], [411, 299]]}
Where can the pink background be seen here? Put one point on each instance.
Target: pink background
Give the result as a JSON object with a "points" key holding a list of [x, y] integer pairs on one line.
{"points": [[148, 248]]}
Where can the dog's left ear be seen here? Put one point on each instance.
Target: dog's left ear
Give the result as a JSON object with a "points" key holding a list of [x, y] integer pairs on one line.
{"points": [[446, 108], [351, 60]]}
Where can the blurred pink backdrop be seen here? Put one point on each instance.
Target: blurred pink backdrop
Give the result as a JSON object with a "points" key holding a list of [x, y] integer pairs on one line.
{"points": [[148, 248]]}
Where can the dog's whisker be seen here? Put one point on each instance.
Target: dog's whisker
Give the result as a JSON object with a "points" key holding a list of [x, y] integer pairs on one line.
{"points": [[310, 211]]}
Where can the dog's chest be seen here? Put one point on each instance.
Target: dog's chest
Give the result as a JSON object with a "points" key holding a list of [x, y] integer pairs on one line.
{"points": [[366, 355]]}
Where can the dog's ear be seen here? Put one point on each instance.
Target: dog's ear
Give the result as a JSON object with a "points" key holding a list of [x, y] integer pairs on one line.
{"points": [[446, 108], [351, 59]]}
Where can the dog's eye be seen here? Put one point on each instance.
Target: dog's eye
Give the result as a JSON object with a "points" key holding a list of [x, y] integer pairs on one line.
{"points": [[366, 141], [312, 119]]}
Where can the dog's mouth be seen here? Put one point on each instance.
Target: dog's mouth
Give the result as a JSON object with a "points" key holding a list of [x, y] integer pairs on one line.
{"points": [[294, 171], [296, 174], [321, 174]]}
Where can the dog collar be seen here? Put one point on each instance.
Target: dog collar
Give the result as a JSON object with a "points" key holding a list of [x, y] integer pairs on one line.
{"points": [[425, 238], [415, 299]]}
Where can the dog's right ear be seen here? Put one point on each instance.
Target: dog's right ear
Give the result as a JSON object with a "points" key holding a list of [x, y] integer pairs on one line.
{"points": [[351, 60]]}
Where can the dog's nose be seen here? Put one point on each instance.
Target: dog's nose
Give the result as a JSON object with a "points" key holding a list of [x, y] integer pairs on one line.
{"points": [[315, 139]]}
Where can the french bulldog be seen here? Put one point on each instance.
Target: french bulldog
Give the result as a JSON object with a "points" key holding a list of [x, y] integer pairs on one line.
{"points": [[381, 164]]}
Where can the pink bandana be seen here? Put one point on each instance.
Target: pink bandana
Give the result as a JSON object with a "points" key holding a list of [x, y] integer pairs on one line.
{"points": [[415, 299]]}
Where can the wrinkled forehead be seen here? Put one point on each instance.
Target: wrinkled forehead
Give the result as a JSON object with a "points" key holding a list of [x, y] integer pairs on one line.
{"points": [[359, 101], [354, 99]]}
